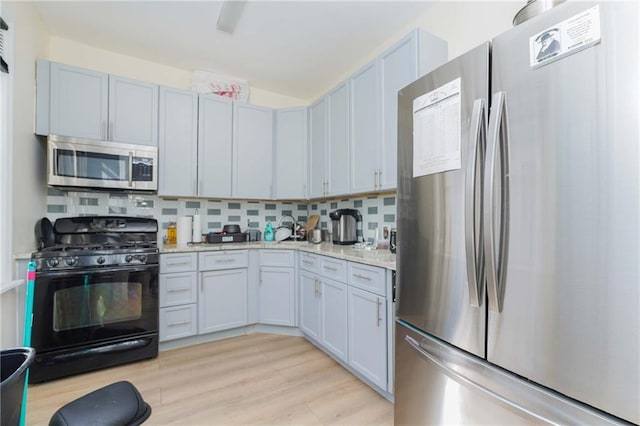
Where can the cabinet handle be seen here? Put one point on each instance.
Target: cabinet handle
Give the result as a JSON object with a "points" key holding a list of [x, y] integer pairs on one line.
{"points": [[307, 262], [378, 317], [260, 277], [379, 179], [225, 260], [363, 277], [315, 286], [375, 179], [130, 168], [176, 290], [110, 135], [330, 268], [172, 324], [178, 263], [195, 186], [200, 187]]}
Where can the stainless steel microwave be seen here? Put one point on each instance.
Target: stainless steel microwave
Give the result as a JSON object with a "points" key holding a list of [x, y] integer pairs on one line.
{"points": [[92, 164]]}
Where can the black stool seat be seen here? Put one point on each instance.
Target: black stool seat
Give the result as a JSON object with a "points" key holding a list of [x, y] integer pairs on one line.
{"points": [[118, 404]]}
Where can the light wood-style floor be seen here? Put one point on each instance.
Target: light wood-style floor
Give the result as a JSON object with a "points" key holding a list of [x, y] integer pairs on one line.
{"points": [[253, 379]]}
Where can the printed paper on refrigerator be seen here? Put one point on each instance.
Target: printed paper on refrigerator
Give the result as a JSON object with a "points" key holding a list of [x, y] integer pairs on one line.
{"points": [[436, 130]]}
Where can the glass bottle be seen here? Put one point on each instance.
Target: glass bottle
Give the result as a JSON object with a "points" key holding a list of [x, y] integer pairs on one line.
{"points": [[172, 233]]}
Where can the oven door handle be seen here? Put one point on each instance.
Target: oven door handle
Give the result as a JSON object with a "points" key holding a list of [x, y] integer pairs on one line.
{"points": [[84, 271]]}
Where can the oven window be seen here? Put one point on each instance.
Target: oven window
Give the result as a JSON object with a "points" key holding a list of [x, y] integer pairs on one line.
{"points": [[96, 305]]}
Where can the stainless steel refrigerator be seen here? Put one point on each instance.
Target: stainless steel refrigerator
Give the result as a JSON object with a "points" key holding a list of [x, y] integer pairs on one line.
{"points": [[518, 227]]}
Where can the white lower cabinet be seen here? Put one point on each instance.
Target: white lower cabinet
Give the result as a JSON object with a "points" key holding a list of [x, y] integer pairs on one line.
{"points": [[347, 319], [334, 317], [178, 296], [276, 300], [223, 300], [368, 335], [309, 305]]}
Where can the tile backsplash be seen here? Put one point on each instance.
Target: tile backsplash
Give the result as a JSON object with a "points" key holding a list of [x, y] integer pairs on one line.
{"points": [[377, 211]]}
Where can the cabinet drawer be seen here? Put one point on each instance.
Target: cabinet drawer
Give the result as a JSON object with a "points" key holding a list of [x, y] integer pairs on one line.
{"points": [[282, 258], [177, 322], [309, 262], [227, 259], [369, 278], [178, 289], [335, 269], [178, 262]]}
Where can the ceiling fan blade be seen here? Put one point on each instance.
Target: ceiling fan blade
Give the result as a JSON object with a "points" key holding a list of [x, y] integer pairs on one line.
{"points": [[229, 16]]}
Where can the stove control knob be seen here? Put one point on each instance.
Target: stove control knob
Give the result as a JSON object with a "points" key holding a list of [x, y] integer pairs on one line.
{"points": [[142, 257], [100, 260], [52, 262], [128, 258], [70, 261]]}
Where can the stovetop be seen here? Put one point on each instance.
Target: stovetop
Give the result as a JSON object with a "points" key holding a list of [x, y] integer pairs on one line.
{"points": [[99, 241]]}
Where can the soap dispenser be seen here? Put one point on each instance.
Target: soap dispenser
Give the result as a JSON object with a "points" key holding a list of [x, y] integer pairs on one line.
{"points": [[268, 232]]}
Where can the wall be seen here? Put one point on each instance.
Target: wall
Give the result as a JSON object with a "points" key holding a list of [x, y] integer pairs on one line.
{"points": [[377, 210], [84, 56], [29, 189], [462, 24]]}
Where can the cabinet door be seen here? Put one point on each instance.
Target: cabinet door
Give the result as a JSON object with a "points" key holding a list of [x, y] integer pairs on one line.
{"points": [[368, 335], [290, 167], [133, 111], [365, 129], [252, 151], [79, 102], [398, 67], [178, 150], [334, 317], [215, 141], [310, 305], [223, 300], [318, 148], [338, 140], [277, 296]]}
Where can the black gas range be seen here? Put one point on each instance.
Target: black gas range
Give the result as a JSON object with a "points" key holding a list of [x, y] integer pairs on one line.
{"points": [[96, 298]]}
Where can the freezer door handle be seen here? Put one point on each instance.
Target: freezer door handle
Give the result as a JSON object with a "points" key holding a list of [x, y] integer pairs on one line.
{"points": [[497, 150], [472, 209], [455, 372]]}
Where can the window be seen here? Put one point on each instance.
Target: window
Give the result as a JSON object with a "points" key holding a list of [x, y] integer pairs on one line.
{"points": [[6, 157]]}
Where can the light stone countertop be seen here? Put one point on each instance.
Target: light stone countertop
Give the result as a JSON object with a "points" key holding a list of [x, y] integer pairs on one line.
{"points": [[383, 258]]}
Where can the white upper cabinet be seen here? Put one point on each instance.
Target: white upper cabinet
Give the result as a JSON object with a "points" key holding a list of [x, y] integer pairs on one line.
{"points": [[133, 111], [78, 101], [215, 138], [178, 150], [82, 103], [252, 151], [290, 166], [338, 141], [318, 149], [413, 56], [365, 128]]}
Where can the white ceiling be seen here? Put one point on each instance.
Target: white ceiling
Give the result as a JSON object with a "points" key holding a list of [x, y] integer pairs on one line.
{"points": [[295, 48]]}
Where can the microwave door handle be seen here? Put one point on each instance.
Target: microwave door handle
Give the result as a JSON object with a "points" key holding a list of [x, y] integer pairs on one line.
{"points": [[130, 169]]}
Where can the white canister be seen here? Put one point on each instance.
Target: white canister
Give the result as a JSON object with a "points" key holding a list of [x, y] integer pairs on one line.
{"points": [[316, 236], [184, 230], [197, 228]]}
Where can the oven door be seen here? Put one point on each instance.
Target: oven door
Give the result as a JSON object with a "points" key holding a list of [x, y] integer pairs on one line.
{"points": [[76, 308]]}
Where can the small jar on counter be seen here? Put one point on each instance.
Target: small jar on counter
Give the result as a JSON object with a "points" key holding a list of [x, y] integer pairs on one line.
{"points": [[172, 233]]}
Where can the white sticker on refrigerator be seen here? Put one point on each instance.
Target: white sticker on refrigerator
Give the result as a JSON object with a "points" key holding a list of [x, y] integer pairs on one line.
{"points": [[567, 37], [436, 130]]}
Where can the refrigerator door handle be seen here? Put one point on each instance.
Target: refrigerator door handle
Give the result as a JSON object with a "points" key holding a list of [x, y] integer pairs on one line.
{"points": [[498, 147], [473, 233]]}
